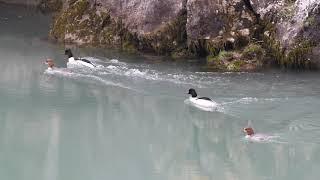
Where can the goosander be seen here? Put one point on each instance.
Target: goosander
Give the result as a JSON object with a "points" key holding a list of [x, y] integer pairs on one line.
{"points": [[50, 64], [203, 103], [251, 136], [77, 62]]}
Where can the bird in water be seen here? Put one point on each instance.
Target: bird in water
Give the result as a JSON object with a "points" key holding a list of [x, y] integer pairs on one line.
{"points": [[203, 103], [50, 64], [77, 62], [252, 136]]}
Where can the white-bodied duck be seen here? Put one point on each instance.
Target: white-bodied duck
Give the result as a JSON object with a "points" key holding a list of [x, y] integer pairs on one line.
{"points": [[203, 103], [77, 62]]}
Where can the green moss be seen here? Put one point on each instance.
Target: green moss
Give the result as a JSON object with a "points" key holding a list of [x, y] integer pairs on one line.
{"points": [[220, 61], [214, 47], [296, 58], [222, 56], [129, 47], [68, 21], [293, 57], [253, 51], [182, 53], [168, 38], [82, 21], [235, 65]]}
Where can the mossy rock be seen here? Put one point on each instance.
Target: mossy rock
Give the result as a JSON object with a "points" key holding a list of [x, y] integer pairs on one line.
{"points": [[235, 65], [182, 53], [297, 58], [129, 47], [68, 21], [220, 61], [222, 56], [253, 51], [168, 39]]}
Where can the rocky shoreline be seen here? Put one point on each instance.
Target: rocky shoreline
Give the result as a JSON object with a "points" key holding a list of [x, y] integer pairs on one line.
{"points": [[234, 35]]}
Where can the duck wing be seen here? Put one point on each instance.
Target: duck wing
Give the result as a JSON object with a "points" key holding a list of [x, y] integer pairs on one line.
{"points": [[85, 60], [205, 98]]}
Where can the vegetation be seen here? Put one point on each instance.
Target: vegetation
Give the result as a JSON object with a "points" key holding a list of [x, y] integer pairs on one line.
{"points": [[253, 52], [81, 22]]}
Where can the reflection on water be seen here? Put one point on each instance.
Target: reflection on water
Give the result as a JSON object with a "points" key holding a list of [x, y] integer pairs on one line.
{"points": [[136, 126]]}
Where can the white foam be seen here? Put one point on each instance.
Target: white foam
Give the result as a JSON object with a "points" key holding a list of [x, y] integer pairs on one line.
{"points": [[112, 67], [116, 67], [135, 72], [264, 138], [247, 100], [93, 59], [115, 61], [67, 73]]}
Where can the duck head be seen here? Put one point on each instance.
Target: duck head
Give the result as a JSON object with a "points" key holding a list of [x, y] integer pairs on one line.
{"points": [[193, 93], [68, 53], [50, 63], [249, 131]]}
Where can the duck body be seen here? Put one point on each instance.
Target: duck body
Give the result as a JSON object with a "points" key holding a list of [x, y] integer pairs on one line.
{"points": [[253, 137], [259, 138], [77, 62], [203, 103]]}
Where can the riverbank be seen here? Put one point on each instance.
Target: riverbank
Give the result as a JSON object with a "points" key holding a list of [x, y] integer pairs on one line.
{"points": [[237, 35]]}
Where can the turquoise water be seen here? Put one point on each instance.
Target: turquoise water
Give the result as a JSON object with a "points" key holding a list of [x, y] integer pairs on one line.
{"points": [[128, 120]]}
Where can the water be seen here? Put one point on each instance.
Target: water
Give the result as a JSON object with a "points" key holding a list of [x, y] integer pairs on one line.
{"points": [[128, 120]]}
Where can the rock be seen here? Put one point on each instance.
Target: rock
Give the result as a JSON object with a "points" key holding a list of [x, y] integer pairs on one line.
{"points": [[143, 17], [295, 26], [214, 17], [232, 61], [244, 32], [180, 28]]}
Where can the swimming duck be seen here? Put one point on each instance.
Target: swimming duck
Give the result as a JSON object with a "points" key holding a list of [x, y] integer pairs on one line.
{"points": [[201, 102], [251, 136], [50, 64], [77, 62]]}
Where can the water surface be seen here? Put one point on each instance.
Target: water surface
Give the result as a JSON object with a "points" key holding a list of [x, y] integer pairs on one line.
{"points": [[127, 120]]}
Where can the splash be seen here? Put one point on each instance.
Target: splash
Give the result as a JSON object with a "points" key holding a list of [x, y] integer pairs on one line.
{"points": [[82, 77]]}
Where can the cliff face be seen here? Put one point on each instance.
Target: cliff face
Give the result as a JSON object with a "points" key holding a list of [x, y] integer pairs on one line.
{"points": [[208, 19], [233, 34], [292, 27], [142, 16]]}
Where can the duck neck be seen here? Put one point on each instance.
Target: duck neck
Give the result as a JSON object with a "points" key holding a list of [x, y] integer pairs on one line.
{"points": [[248, 136], [71, 59]]}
